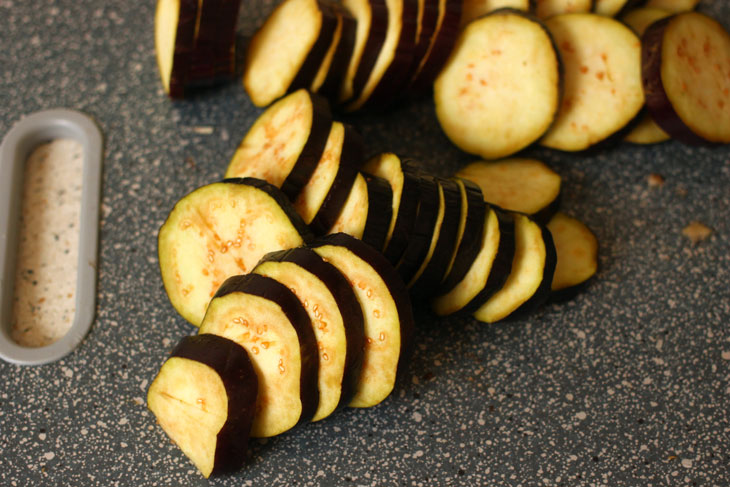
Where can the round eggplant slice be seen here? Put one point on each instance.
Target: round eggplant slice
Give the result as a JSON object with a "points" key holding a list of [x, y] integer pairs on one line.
{"points": [[336, 319], [386, 308], [222, 230], [443, 242], [371, 17], [533, 264], [496, 101], [473, 9], [674, 6], [354, 214], [268, 320], [603, 93], [174, 41], [286, 52], [341, 56], [380, 211], [523, 185], [442, 43], [544, 9], [483, 276], [577, 253], [285, 143], [430, 200], [332, 178], [338, 12], [686, 76], [204, 398], [469, 237]]}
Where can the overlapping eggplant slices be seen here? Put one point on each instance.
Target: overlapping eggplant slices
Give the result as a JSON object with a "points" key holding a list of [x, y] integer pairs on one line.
{"points": [[299, 267]]}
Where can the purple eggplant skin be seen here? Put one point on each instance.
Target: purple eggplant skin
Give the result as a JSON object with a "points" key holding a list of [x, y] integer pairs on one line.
{"points": [[428, 282], [348, 305], [657, 101], [471, 239], [502, 265], [351, 160], [272, 290], [214, 55], [393, 281], [406, 217], [380, 211], [232, 363], [373, 45], [429, 20], [309, 68], [341, 58], [313, 149], [184, 45], [281, 200], [420, 238], [443, 44]]}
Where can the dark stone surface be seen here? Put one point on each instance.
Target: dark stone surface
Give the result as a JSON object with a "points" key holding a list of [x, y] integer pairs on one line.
{"points": [[627, 384]]}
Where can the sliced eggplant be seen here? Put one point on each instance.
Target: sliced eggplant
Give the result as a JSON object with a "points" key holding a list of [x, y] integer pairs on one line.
{"points": [[473, 9], [336, 319], [379, 212], [523, 185], [323, 196], [404, 187], [386, 308], [337, 70], [339, 14], [393, 59], [426, 21], [577, 254], [528, 283], [495, 101], [674, 6], [426, 69], [488, 270], [686, 77], [419, 242], [545, 9], [603, 93], [204, 398], [175, 22], [469, 234], [611, 8], [221, 230], [445, 237], [372, 24], [285, 143], [287, 51], [354, 213], [213, 59], [268, 320]]}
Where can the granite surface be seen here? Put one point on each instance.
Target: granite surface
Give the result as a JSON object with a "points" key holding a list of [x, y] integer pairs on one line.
{"points": [[628, 384]]}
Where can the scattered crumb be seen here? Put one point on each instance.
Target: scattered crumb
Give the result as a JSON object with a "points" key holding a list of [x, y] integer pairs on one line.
{"points": [[203, 130], [696, 232], [655, 180], [190, 162]]}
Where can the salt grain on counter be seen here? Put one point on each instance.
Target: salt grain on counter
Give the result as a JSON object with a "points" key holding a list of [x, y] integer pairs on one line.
{"points": [[45, 278]]}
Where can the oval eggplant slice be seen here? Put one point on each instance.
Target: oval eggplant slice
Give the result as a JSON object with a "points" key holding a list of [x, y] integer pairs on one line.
{"points": [[544, 9], [221, 230], [175, 22], [603, 93], [426, 21], [577, 254], [266, 318], [473, 9], [523, 185], [426, 69], [336, 319], [286, 52], [469, 237], [204, 398], [285, 143], [686, 76], [386, 308], [338, 12], [380, 211], [496, 101], [532, 266], [443, 242], [354, 213], [341, 56]]}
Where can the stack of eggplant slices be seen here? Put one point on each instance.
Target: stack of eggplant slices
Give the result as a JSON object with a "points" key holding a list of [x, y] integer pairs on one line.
{"points": [[300, 266]]}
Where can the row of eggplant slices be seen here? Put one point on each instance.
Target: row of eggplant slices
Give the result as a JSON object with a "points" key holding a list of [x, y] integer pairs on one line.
{"points": [[297, 268]]}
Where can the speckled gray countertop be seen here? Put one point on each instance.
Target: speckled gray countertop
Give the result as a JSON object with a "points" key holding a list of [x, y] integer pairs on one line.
{"points": [[628, 384]]}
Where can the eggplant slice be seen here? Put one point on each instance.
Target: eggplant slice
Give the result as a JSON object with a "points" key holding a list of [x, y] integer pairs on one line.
{"points": [[343, 52], [674, 6], [214, 56], [175, 22], [686, 77], [285, 143], [336, 318], [610, 8], [221, 230], [354, 214], [380, 211], [544, 9], [498, 100], [268, 320], [473, 9], [426, 69], [204, 398], [577, 251], [386, 308], [523, 185], [603, 93]]}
